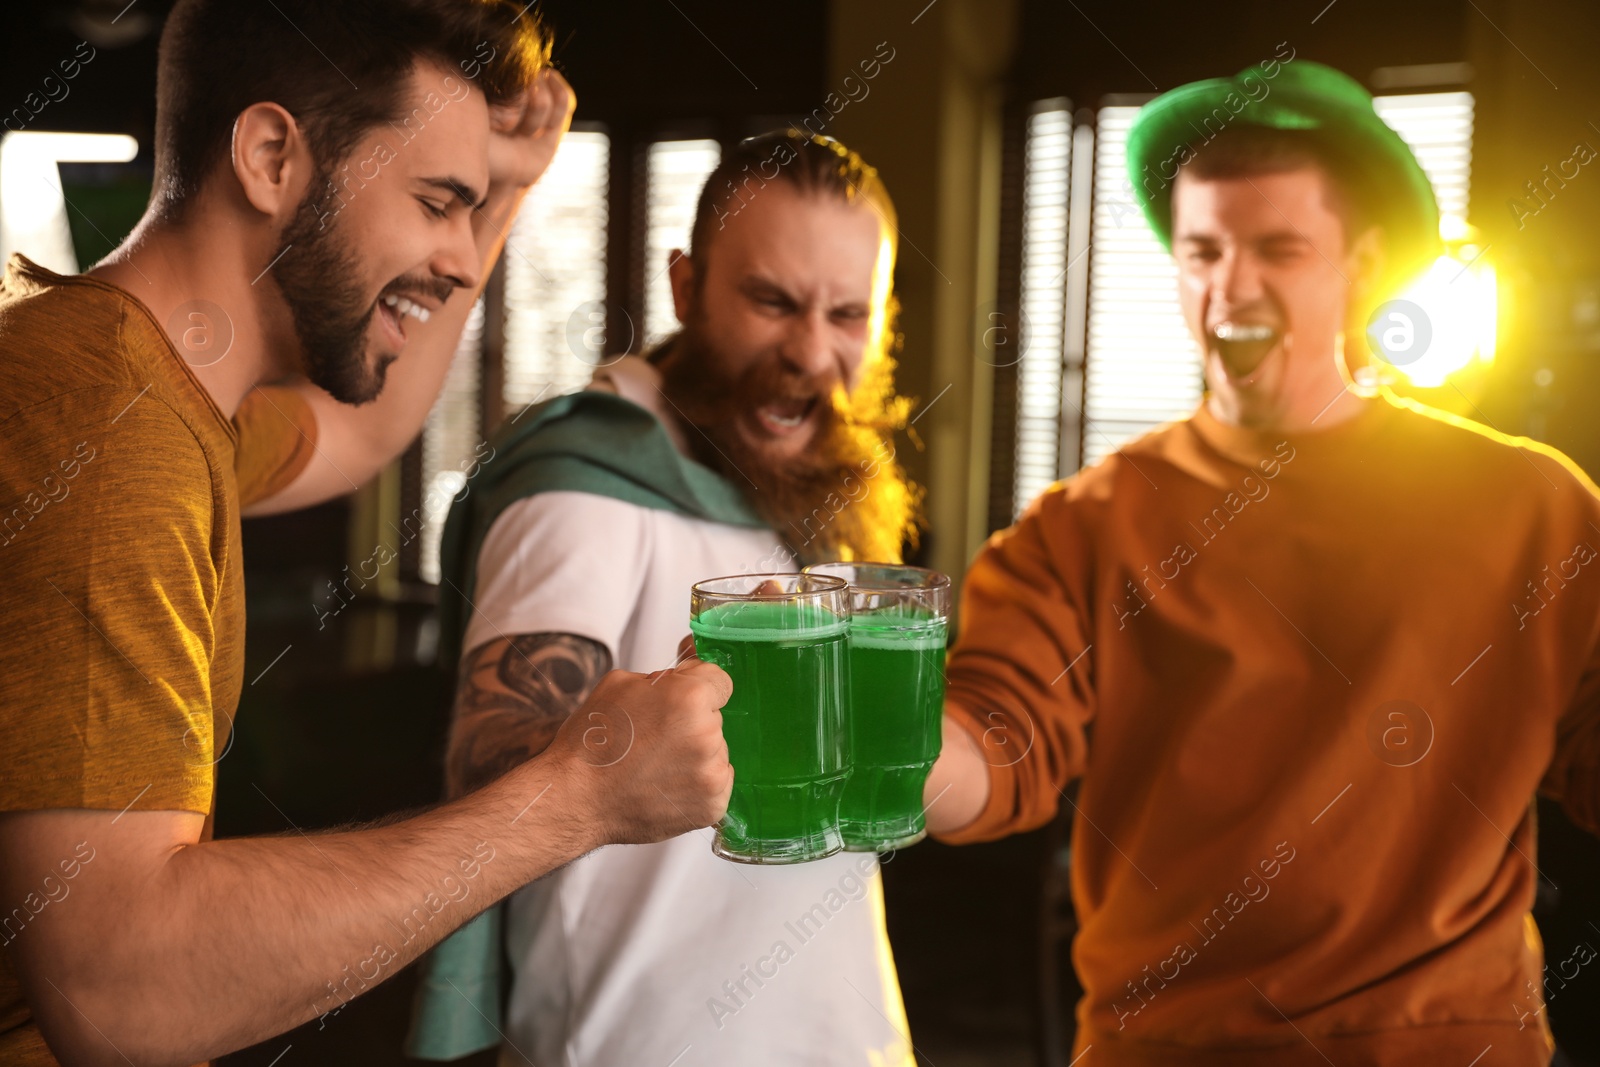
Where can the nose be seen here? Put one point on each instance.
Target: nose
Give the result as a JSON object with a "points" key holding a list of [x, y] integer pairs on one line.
{"points": [[458, 258], [1238, 279], [808, 347]]}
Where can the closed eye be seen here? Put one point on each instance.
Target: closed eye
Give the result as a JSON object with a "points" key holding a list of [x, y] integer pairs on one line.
{"points": [[435, 210], [1283, 251], [775, 302]]}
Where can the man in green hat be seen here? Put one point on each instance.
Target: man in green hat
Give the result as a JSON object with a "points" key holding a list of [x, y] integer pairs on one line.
{"points": [[1310, 652]]}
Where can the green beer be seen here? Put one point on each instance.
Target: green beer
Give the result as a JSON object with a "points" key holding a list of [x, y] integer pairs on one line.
{"points": [[897, 651], [785, 723], [896, 704]]}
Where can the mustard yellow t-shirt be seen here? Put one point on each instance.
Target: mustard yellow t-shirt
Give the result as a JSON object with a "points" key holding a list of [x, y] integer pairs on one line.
{"points": [[121, 484]]}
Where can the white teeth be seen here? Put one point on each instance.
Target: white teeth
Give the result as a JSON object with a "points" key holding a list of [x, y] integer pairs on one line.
{"points": [[1231, 331], [402, 306], [783, 420]]}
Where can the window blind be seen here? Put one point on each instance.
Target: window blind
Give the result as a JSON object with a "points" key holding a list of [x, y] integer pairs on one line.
{"points": [[674, 174], [1142, 368], [1046, 196], [555, 279]]}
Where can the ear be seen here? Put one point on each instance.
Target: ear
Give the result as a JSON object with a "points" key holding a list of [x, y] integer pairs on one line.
{"points": [[1366, 265], [681, 272], [271, 159], [1366, 262]]}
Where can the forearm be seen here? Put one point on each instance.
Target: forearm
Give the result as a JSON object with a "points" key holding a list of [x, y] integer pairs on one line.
{"points": [[171, 951], [233, 941], [957, 789]]}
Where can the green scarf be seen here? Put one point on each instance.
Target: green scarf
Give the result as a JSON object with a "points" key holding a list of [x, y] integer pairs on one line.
{"points": [[586, 442]]}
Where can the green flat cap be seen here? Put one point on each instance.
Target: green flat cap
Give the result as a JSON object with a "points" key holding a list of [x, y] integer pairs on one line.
{"points": [[1302, 95]]}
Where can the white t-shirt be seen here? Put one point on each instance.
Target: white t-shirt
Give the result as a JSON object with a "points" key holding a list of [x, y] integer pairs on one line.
{"points": [[665, 955]]}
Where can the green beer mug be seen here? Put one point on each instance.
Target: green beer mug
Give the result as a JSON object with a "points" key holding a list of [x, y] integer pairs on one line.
{"points": [[898, 621], [783, 640]]}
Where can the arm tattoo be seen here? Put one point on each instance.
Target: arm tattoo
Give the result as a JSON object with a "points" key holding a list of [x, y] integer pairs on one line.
{"points": [[513, 696]]}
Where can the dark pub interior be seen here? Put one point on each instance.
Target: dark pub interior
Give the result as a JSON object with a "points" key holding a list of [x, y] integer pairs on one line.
{"points": [[1046, 301]]}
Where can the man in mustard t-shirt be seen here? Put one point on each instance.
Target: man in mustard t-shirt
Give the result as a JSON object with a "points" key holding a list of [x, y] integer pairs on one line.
{"points": [[333, 184], [1310, 652]]}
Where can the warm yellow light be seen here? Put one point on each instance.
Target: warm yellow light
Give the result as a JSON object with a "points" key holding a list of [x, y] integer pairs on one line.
{"points": [[1459, 301]]}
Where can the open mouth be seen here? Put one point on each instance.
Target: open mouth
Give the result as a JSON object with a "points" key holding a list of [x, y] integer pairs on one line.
{"points": [[780, 418], [1244, 346], [406, 307], [395, 309]]}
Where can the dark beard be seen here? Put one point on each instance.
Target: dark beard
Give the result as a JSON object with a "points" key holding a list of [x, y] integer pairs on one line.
{"points": [[319, 276], [844, 497]]}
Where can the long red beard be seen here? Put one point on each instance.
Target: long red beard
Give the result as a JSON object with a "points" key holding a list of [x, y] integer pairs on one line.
{"points": [[844, 497]]}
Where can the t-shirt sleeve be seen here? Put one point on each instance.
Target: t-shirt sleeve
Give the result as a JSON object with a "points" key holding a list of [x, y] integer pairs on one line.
{"points": [[560, 562], [1020, 675], [107, 578], [277, 438]]}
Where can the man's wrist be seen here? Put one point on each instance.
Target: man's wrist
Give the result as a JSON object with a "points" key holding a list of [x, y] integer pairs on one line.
{"points": [[569, 791], [958, 790]]}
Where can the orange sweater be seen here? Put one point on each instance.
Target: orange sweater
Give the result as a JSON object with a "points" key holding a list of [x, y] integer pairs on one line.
{"points": [[1311, 684]]}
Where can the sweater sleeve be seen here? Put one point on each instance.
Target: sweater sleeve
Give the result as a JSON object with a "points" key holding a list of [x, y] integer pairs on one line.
{"points": [[1573, 777], [1020, 678]]}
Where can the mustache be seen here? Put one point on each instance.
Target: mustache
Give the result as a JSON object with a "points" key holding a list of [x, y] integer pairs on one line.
{"points": [[410, 285], [712, 399], [774, 380]]}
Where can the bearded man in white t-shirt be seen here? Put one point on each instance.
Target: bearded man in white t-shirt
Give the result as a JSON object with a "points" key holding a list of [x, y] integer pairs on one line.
{"points": [[754, 439]]}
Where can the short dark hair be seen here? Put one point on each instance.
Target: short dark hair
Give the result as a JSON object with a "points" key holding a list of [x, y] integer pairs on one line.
{"points": [[809, 162], [338, 66], [1244, 151]]}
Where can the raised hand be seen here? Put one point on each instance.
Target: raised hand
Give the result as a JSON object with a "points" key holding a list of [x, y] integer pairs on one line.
{"points": [[524, 134]]}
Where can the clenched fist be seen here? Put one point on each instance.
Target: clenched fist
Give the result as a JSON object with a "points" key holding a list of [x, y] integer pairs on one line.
{"points": [[525, 133], [648, 752]]}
